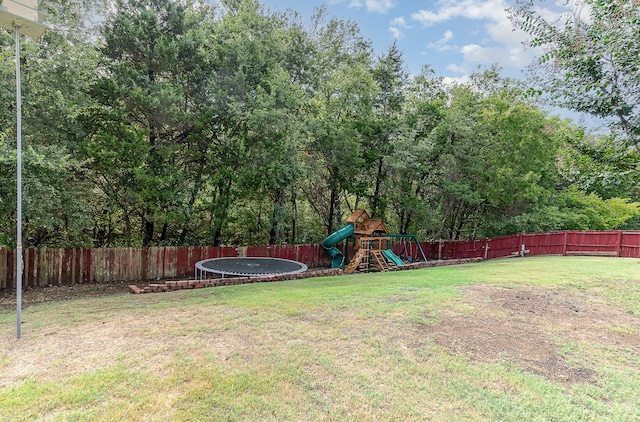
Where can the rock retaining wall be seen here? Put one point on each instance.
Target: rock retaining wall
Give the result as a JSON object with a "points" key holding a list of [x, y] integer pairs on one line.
{"points": [[171, 286]]}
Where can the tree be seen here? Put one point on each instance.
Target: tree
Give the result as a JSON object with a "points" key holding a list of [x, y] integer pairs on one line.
{"points": [[597, 164], [148, 125], [486, 155], [255, 82], [590, 62], [56, 72], [391, 78], [341, 100], [413, 155], [590, 212], [274, 124]]}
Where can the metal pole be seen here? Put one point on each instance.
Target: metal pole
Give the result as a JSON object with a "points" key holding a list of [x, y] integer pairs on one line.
{"points": [[19, 187]]}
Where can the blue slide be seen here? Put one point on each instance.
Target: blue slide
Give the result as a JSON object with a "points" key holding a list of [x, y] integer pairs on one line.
{"points": [[329, 245]]}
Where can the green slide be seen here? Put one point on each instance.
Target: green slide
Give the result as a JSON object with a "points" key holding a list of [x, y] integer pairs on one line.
{"points": [[329, 245], [392, 257]]}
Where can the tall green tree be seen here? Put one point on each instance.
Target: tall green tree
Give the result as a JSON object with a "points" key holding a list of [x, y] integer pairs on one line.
{"points": [[595, 163], [391, 78], [258, 94], [413, 155], [342, 93], [491, 156], [56, 72], [149, 110], [589, 62]]}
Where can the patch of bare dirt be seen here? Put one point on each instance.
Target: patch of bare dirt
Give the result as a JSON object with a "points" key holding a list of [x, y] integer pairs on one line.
{"points": [[60, 293], [526, 326]]}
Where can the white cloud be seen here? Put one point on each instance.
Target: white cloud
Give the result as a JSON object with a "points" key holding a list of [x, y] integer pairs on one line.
{"points": [[352, 3], [498, 43], [396, 26], [443, 43], [457, 80], [470, 9], [458, 69], [375, 6], [399, 22], [428, 18], [380, 6], [395, 32], [474, 55]]}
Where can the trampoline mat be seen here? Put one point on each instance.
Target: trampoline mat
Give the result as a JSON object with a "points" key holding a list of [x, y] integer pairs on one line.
{"points": [[251, 266]]}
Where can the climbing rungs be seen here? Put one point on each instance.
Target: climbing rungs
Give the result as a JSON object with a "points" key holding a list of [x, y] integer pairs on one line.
{"points": [[381, 261]]}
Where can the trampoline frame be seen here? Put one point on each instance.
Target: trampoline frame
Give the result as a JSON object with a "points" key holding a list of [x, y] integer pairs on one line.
{"points": [[201, 270]]}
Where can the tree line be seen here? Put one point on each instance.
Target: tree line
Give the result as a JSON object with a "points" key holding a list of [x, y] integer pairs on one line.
{"points": [[166, 122]]}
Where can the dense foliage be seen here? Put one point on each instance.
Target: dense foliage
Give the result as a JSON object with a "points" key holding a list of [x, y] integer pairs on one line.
{"points": [[590, 59], [177, 122]]}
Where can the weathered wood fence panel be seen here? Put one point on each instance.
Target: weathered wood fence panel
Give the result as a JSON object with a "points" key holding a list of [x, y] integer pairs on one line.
{"points": [[7, 261], [46, 266], [431, 249], [544, 243], [630, 244], [502, 246], [43, 267], [592, 241]]}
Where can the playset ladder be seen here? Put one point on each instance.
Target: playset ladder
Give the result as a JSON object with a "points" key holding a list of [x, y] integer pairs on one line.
{"points": [[380, 260]]}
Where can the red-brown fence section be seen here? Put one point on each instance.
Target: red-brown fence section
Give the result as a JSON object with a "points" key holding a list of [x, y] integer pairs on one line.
{"points": [[44, 267], [618, 243]]}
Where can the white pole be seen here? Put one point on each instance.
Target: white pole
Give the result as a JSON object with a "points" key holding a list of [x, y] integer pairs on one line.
{"points": [[19, 187]]}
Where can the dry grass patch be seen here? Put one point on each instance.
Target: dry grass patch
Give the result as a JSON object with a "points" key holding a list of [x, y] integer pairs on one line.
{"points": [[466, 343], [526, 326]]}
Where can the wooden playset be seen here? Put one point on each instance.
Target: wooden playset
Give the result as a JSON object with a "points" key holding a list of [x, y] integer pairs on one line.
{"points": [[371, 244]]}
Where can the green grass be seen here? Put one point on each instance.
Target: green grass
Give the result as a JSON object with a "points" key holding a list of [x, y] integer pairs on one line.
{"points": [[338, 348]]}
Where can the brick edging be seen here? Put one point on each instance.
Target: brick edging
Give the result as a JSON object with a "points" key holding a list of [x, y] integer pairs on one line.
{"points": [[171, 286]]}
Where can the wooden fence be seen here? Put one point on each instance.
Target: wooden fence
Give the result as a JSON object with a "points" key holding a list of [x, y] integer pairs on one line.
{"points": [[617, 243], [43, 267]]}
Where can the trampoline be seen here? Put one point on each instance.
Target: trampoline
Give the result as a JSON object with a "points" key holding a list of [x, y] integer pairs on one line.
{"points": [[248, 267]]}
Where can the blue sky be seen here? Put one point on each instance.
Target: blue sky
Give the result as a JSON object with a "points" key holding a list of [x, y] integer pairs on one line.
{"points": [[452, 36]]}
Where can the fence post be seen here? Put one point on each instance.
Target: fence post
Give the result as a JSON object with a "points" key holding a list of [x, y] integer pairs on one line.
{"points": [[486, 248], [619, 249], [564, 246], [520, 245]]}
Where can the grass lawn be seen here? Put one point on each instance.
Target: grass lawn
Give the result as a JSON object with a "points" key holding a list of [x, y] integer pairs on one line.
{"points": [[539, 338]]}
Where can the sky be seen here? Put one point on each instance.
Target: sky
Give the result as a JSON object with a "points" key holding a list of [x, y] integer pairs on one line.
{"points": [[454, 37]]}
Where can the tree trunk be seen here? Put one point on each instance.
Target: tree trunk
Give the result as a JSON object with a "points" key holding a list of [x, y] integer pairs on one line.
{"points": [[187, 218], [220, 209], [294, 217], [276, 235], [163, 233], [376, 202], [407, 223], [217, 235], [147, 235]]}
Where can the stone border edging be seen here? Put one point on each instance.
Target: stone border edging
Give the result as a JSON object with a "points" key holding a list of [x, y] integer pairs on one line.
{"points": [[171, 286]]}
